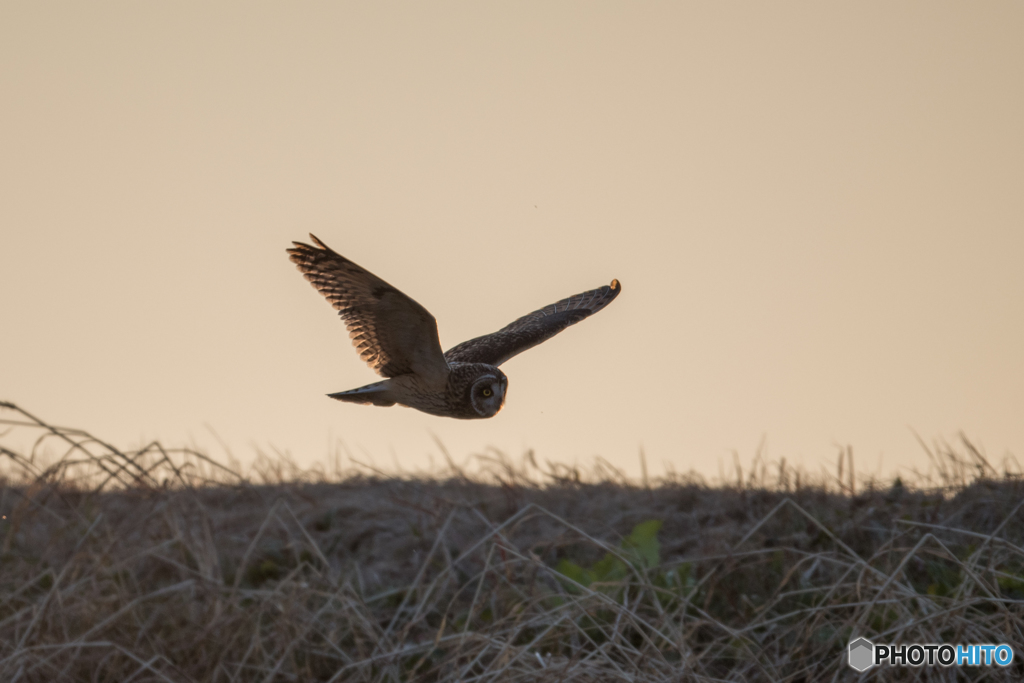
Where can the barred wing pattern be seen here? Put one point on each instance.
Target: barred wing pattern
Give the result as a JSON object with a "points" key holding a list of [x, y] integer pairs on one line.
{"points": [[532, 329], [392, 333]]}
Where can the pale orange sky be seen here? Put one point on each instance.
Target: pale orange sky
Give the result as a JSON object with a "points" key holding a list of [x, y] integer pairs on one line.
{"points": [[816, 211]]}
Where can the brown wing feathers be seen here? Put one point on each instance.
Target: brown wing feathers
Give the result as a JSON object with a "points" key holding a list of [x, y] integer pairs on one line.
{"points": [[534, 328], [392, 333], [396, 336]]}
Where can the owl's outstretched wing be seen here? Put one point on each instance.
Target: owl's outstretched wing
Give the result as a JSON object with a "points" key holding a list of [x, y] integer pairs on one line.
{"points": [[392, 333], [532, 329]]}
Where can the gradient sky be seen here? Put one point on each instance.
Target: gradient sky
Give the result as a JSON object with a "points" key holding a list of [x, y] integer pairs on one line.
{"points": [[816, 211]]}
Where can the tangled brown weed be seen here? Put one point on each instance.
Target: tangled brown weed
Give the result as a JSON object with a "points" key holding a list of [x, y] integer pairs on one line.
{"points": [[163, 565]]}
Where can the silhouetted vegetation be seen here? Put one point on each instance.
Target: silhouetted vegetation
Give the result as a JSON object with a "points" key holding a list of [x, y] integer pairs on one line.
{"points": [[164, 565]]}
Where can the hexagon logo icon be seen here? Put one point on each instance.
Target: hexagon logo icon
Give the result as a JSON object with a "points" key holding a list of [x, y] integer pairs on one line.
{"points": [[862, 653]]}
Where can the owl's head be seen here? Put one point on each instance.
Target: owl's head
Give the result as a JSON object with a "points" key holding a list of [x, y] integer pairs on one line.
{"points": [[487, 392]]}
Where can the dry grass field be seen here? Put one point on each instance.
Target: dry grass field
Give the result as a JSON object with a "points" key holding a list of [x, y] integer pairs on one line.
{"points": [[162, 565]]}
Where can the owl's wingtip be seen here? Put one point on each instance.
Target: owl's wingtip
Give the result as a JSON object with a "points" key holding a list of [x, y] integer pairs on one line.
{"points": [[299, 246]]}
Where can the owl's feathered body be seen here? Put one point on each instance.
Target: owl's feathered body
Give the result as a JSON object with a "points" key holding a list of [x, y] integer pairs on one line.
{"points": [[454, 399], [397, 337]]}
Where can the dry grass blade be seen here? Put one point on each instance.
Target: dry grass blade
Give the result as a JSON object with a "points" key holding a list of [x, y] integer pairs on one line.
{"points": [[163, 565]]}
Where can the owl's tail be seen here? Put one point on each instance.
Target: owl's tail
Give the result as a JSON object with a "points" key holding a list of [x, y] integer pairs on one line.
{"points": [[378, 394]]}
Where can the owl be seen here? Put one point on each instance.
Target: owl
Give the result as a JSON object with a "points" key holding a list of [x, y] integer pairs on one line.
{"points": [[397, 337]]}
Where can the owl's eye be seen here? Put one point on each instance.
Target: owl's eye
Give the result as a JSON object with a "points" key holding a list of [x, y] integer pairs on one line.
{"points": [[487, 392]]}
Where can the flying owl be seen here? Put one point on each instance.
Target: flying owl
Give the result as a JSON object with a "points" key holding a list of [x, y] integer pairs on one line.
{"points": [[397, 337]]}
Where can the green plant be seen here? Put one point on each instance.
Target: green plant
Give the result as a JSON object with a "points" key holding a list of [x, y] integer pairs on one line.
{"points": [[641, 549]]}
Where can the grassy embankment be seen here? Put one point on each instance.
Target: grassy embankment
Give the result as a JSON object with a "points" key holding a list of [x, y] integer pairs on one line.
{"points": [[161, 565]]}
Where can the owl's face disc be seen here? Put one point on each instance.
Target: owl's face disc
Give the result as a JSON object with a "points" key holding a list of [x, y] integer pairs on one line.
{"points": [[487, 394]]}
